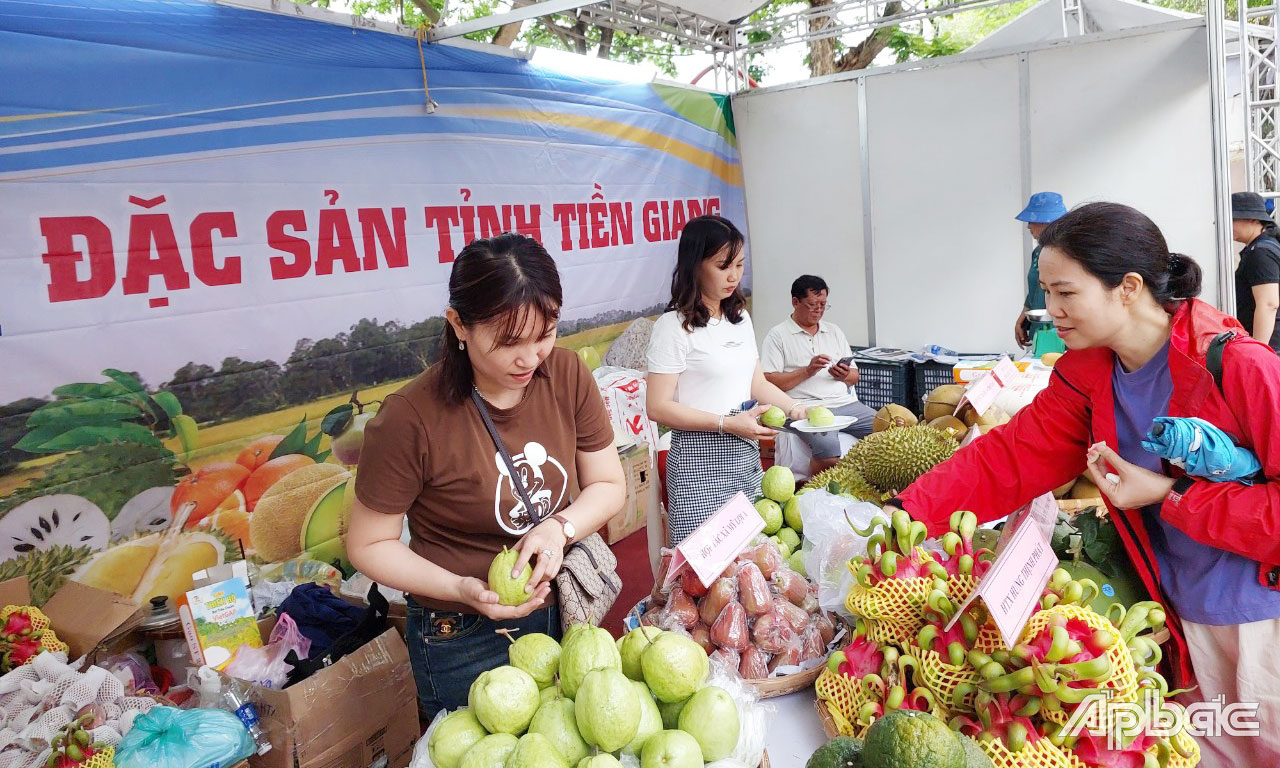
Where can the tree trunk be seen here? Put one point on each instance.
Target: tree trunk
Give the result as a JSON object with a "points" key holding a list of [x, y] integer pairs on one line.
{"points": [[822, 53], [606, 43], [507, 33]]}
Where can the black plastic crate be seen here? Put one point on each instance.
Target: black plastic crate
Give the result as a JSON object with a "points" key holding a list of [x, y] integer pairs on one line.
{"points": [[931, 374], [881, 382]]}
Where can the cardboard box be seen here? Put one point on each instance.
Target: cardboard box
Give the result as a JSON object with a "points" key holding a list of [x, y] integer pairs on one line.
{"points": [[360, 712], [642, 493], [83, 617]]}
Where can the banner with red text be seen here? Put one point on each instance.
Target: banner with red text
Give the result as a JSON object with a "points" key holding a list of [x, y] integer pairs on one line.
{"points": [[226, 231]]}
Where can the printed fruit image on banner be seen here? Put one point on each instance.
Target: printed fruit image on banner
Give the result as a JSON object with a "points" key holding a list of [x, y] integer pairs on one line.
{"points": [[280, 499], [211, 279]]}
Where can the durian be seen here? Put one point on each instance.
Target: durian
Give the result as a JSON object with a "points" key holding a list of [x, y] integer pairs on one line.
{"points": [[46, 569], [892, 460], [893, 415], [847, 481]]}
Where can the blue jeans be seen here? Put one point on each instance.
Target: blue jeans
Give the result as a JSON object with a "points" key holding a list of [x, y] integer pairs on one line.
{"points": [[449, 650]]}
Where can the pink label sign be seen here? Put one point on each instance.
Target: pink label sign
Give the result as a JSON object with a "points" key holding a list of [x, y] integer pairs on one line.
{"points": [[1041, 512], [1006, 371], [1012, 588], [713, 546], [982, 393]]}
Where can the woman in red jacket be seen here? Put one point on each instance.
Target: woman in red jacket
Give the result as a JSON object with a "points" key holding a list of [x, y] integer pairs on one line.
{"points": [[1137, 340]]}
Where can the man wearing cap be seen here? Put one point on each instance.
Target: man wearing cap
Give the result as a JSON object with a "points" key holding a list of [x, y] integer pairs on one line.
{"points": [[1042, 209], [1258, 276]]}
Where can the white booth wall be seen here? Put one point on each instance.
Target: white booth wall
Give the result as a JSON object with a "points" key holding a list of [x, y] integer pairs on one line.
{"points": [[922, 167]]}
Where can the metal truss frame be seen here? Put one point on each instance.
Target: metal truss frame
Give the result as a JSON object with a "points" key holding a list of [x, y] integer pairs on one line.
{"points": [[1259, 31]]}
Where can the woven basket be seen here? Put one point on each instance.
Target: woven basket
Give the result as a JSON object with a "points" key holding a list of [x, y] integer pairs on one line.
{"points": [[770, 687], [829, 726]]}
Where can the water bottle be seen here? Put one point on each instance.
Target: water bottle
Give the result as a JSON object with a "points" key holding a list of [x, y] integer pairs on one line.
{"points": [[234, 701]]}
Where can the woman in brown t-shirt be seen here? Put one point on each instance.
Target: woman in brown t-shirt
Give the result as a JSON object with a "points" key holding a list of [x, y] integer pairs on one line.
{"points": [[428, 455]]}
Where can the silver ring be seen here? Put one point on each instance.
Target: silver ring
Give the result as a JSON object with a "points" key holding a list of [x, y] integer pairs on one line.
{"points": [[546, 553]]}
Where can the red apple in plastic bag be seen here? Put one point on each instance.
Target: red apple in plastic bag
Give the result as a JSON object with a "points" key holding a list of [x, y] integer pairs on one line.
{"points": [[754, 664], [692, 584], [652, 617], [772, 633], [794, 615], [791, 585], [730, 630], [702, 636], [753, 590], [788, 658], [727, 658], [722, 592], [658, 595], [681, 609], [826, 627], [768, 559], [812, 646]]}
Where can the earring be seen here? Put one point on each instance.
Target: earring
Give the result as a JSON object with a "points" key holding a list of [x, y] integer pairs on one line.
{"points": [[462, 345]]}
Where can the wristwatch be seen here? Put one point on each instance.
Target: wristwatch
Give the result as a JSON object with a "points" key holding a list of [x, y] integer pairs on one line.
{"points": [[569, 529]]}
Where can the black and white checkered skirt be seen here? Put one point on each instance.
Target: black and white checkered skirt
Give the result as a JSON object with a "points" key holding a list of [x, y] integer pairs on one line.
{"points": [[704, 470]]}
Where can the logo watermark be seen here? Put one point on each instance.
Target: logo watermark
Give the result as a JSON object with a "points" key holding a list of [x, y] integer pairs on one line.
{"points": [[1123, 721]]}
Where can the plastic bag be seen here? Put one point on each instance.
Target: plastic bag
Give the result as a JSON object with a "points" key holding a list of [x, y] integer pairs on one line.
{"points": [[132, 671], [173, 738], [829, 543], [753, 717], [266, 666]]}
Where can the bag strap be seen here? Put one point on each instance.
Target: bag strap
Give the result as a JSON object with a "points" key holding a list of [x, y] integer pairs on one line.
{"points": [[506, 457], [1213, 359]]}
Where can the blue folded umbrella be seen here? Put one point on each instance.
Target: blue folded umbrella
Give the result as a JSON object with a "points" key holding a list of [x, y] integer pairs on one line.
{"points": [[1200, 449]]}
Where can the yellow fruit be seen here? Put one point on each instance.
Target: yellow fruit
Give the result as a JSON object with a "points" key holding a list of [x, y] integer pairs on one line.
{"points": [[994, 417], [174, 577], [951, 425], [277, 523], [1049, 358], [1064, 489], [942, 401], [893, 415], [120, 568], [1084, 488]]}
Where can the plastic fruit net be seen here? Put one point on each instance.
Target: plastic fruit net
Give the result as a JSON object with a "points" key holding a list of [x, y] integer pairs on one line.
{"points": [[892, 633], [1041, 754], [1183, 742], [103, 758], [941, 678], [960, 586], [39, 623], [1123, 680], [843, 697], [897, 601]]}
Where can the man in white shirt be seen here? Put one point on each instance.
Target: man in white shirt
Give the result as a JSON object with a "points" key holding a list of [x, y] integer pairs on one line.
{"points": [[807, 357]]}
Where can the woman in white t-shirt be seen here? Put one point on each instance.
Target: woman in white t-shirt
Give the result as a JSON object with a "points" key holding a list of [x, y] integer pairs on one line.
{"points": [[703, 370]]}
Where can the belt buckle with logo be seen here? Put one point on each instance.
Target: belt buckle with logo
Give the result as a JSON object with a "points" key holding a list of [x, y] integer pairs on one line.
{"points": [[445, 624]]}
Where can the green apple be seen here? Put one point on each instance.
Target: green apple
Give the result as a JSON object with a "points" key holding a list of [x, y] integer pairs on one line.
{"points": [[504, 699], [711, 717], [772, 514], [671, 749], [820, 417]]}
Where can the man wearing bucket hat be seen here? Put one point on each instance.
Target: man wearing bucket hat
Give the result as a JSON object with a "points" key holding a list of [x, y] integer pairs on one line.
{"points": [[1042, 210], [1258, 276]]}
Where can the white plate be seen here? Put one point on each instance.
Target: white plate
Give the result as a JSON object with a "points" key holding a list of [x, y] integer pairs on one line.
{"points": [[840, 423]]}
